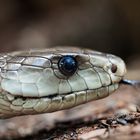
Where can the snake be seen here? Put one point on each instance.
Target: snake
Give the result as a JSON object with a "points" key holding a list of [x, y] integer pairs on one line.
{"points": [[53, 79]]}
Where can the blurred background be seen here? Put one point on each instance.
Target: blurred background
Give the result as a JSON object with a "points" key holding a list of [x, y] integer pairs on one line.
{"points": [[106, 25]]}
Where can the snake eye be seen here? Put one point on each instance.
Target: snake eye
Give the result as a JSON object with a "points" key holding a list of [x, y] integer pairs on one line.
{"points": [[113, 68], [67, 65]]}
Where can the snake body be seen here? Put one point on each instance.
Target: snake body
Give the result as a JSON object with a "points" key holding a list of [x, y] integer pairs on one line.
{"points": [[32, 83]]}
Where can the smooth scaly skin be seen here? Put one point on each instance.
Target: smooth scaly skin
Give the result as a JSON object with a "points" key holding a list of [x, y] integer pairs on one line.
{"points": [[31, 82]]}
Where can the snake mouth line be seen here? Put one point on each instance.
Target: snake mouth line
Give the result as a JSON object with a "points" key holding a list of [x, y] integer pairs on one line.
{"points": [[48, 104], [115, 86]]}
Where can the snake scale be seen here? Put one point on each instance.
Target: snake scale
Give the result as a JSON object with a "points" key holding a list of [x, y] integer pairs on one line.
{"points": [[43, 81]]}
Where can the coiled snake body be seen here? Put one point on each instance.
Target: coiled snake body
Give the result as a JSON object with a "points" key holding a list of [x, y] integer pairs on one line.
{"points": [[48, 80]]}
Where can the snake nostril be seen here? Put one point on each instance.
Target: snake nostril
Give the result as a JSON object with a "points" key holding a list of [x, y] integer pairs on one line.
{"points": [[67, 65], [113, 68]]}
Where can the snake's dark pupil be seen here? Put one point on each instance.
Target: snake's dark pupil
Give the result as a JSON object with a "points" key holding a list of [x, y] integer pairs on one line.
{"points": [[67, 65]]}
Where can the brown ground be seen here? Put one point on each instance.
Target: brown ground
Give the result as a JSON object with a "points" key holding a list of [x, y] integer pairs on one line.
{"points": [[113, 118]]}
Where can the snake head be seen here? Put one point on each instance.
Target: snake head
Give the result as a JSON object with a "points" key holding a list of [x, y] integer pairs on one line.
{"points": [[58, 78], [60, 72]]}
